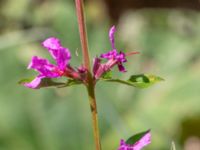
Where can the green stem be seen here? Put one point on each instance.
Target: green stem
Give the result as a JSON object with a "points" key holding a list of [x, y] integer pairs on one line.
{"points": [[86, 62], [93, 107]]}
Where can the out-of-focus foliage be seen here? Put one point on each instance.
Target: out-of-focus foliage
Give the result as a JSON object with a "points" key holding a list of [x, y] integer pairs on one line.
{"points": [[58, 119]]}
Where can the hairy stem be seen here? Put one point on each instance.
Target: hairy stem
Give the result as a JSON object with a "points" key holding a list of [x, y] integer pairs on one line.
{"points": [[86, 62]]}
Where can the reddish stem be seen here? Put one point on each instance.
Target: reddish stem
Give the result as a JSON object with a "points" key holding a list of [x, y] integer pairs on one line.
{"points": [[86, 62], [83, 33]]}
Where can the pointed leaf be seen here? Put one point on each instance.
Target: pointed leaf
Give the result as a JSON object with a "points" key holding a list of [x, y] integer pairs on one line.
{"points": [[47, 82], [144, 80], [139, 81], [135, 138]]}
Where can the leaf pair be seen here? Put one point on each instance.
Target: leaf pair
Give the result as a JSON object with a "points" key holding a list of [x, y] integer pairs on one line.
{"points": [[138, 81]]}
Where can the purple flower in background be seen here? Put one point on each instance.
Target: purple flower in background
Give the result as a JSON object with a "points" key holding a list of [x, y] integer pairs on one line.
{"points": [[114, 58], [145, 140], [62, 57]]}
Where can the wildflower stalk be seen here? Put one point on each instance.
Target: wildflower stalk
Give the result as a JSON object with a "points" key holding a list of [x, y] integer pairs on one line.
{"points": [[83, 33], [93, 107], [86, 63]]}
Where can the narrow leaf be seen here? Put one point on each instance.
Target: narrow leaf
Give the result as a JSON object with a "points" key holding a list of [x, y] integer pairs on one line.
{"points": [[139, 81], [47, 82]]}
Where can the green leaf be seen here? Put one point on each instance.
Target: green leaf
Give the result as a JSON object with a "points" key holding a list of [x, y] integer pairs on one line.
{"points": [[133, 139], [26, 80], [107, 75], [47, 82], [70, 82], [139, 81]]}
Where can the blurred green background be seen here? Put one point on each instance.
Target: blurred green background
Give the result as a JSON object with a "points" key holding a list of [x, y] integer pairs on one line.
{"points": [[59, 119]]}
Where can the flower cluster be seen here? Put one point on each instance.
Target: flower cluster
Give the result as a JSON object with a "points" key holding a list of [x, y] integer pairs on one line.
{"points": [[62, 57], [113, 56]]}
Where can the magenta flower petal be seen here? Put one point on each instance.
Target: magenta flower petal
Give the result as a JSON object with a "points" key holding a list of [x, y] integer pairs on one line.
{"points": [[44, 67], [100, 71], [145, 140], [110, 55], [63, 58], [34, 83], [115, 58], [121, 57], [121, 68], [96, 64], [81, 69], [52, 44], [112, 37], [58, 52]]}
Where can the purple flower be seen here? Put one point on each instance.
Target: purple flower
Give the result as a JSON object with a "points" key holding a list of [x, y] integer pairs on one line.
{"points": [[112, 37], [145, 140], [45, 69], [114, 58]]}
